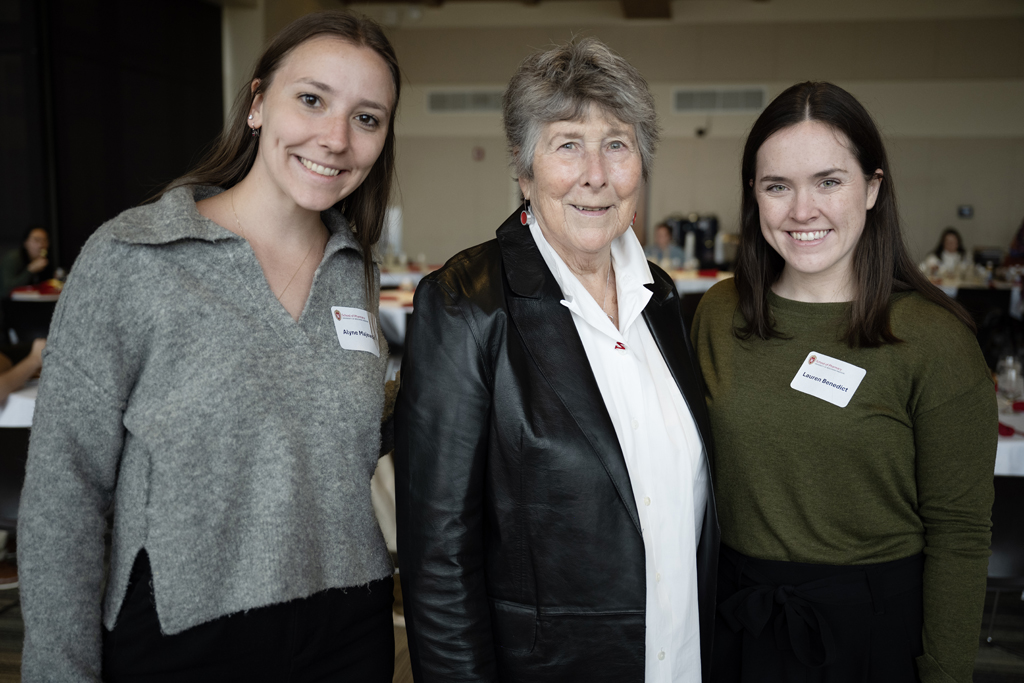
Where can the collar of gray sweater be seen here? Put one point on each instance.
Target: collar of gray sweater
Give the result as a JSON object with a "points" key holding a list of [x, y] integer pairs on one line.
{"points": [[174, 217]]}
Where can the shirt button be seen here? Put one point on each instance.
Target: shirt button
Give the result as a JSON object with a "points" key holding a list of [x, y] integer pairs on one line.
{"points": [[636, 424], [647, 500], [621, 350], [657, 576], [661, 655]]}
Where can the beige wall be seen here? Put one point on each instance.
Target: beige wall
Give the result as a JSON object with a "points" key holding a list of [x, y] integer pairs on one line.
{"points": [[944, 79]]}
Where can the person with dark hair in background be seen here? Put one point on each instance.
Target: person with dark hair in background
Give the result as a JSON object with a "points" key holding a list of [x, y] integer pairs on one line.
{"points": [[27, 264], [663, 250], [555, 521], [949, 256], [215, 376], [854, 421]]}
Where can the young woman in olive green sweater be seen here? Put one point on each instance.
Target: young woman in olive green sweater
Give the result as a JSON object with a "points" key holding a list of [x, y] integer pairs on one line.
{"points": [[854, 420]]}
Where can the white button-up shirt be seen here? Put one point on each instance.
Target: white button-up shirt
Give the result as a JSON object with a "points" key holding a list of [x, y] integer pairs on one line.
{"points": [[663, 451]]}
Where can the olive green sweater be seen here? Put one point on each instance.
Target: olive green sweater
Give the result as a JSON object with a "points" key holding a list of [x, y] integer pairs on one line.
{"points": [[906, 467]]}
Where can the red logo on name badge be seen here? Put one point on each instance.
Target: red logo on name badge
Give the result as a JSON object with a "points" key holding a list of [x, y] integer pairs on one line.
{"points": [[619, 346], [337, 314], [810, 361]]}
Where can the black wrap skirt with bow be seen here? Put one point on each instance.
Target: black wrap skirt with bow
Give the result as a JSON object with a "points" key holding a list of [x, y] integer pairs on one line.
{"points": [[811, 623]]}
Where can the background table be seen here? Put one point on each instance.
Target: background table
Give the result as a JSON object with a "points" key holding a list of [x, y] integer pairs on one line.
{"points": [[1010, 451], [17, 410], [692, 282], [400, 278], [395, 307]]}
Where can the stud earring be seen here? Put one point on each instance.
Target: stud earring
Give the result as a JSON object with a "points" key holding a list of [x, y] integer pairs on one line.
{"points": [[250, 117]]}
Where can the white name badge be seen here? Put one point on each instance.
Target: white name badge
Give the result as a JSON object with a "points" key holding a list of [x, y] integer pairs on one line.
{"points": [[356, 328], [827, 378]]}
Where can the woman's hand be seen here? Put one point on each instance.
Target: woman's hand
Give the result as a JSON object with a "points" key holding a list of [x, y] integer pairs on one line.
{"points": [[38, 264]]}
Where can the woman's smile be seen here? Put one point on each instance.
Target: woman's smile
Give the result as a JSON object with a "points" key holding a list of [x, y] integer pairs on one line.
{"points": [[318, 168]]}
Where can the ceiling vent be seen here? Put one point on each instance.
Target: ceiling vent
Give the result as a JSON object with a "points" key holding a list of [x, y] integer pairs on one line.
{"points": [[734, 99], [472, 101]]}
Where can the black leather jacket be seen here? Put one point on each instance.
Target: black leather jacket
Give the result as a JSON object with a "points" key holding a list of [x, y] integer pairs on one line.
{"points": [[520, 551]]}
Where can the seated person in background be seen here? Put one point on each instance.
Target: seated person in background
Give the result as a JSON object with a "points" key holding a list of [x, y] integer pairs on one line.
{"points": [[14, 375], [26, 265], [949, 257], [664, 251]]}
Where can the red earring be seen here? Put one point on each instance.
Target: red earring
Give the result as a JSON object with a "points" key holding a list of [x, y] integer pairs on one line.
{"points": [[523, 219]]}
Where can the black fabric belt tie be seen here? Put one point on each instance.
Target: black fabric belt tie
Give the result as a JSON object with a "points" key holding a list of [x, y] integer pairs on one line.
{"points": [[799, 626]]}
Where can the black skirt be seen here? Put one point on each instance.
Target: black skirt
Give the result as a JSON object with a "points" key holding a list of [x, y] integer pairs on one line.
{"points": [[810, 623], [335, 635]]}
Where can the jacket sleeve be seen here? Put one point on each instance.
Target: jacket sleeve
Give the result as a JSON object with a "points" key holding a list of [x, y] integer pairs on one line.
{"points": [[955, 441], [441, 444], [77, 434]]}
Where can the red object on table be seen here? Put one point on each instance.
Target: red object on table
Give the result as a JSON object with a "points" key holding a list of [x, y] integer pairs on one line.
{"points": [[49, 287], [708, 272], [1018, 406], [1006, 430]]}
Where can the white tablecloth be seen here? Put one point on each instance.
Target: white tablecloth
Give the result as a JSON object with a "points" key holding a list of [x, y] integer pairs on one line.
{"points": [[399, 278], [17, 410], [1010, 451]]}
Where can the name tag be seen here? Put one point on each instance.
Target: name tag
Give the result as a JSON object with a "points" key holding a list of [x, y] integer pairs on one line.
{"points": [[827, 378], [356, 328]]}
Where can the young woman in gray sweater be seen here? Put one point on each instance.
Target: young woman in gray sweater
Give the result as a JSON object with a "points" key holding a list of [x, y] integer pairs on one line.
{"points": [[214, 376]]}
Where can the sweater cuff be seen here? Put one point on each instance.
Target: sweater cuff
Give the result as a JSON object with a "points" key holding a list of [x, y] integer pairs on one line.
{"points": [[929, 671]]}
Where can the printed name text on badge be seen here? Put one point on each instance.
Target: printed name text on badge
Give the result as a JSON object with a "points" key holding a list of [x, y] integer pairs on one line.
{"points": [[827, 378], [356, 328]]}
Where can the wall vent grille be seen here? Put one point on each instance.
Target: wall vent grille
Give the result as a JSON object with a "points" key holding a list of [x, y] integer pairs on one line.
{"points": [[744, 99], [453, 101]]}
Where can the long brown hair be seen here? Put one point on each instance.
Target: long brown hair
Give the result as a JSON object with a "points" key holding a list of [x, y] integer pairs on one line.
{"points": [[881, 263], [234, 151]]}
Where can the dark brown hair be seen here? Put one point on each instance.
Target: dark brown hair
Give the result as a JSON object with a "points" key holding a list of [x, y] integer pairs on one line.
{"points": [[942, 243], [881, 263], [234, 151]]}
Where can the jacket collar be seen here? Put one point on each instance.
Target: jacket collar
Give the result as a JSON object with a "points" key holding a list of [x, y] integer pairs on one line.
{"points": [[548, 331], [525, 268], [174, 217]]}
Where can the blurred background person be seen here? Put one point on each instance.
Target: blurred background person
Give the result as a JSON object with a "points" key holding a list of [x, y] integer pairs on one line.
{"points": [[14, 372], [28, 264], [664, 251], [949, 259], [16, 368]]}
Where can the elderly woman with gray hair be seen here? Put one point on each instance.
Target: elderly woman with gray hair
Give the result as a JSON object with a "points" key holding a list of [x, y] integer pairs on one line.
{"points": [[555, 515]]}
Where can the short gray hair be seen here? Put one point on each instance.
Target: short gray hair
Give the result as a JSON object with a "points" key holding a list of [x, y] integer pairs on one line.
{"points": [[560, 84]]}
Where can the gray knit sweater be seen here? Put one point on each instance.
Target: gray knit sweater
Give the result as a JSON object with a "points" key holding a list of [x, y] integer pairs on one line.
{"points": [[235, 444]]}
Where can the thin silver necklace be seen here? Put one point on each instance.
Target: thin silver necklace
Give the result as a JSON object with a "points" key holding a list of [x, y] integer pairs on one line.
{"points": [[242, 230]]}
